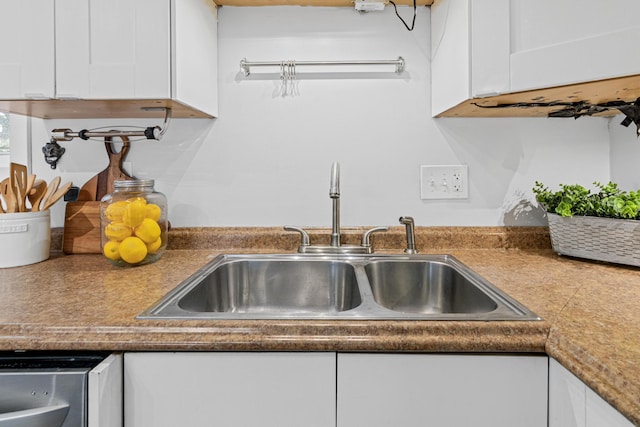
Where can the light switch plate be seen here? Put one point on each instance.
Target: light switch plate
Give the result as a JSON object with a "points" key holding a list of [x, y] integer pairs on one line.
{"points": [[444, 182]]}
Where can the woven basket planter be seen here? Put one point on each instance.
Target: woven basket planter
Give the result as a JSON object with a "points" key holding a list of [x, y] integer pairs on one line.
{"points": [[602, 239]]}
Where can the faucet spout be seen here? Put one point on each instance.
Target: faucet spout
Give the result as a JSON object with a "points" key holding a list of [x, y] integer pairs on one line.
{"points": [[334, 188], [334, 194], [408, 222]]}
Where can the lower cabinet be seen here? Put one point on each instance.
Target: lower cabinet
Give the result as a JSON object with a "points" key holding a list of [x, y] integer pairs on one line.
{"points": [[573, 404], [441, 390], [329, 390], [230, 389]]}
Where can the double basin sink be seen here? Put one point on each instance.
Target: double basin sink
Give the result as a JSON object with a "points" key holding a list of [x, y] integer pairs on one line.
{"points": [[291, 286], [427, 287]]}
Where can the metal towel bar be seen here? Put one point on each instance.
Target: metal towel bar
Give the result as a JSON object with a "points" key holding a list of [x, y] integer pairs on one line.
{"points": [[245, 65]]}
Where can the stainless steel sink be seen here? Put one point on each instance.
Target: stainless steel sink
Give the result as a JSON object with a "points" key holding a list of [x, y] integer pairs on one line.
{"points": [[292, 286]]}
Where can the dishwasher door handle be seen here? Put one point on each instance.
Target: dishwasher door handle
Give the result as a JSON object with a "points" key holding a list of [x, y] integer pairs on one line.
{"points": [[45, 416]]}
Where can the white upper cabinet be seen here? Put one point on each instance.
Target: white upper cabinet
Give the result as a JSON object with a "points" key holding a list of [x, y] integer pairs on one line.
{"points": [[150, 53], [487, 48], [27, 60], [469, 51], [557, 43], [113, 49]]}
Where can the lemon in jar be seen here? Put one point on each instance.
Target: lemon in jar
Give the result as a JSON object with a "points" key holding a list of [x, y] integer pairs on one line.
{"points": [[117, 231], [132, 250], [152, 248], [134, 212], [149, 230], [153, 211], [115, 211], [111, 250]]}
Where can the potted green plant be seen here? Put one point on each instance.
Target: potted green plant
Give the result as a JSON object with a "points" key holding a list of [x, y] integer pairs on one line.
{"points": [[602, 225]]}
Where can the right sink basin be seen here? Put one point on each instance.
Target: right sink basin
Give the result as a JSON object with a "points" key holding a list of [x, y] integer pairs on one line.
{"points": [[426, 287], [364, 287]]}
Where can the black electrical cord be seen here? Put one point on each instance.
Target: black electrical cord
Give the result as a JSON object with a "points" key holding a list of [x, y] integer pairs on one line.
{"points": [[413, 23]]}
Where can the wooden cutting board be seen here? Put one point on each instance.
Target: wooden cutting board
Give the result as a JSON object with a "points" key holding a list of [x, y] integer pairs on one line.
{"points": [[82, 218], [82, 228], [102, 184]]}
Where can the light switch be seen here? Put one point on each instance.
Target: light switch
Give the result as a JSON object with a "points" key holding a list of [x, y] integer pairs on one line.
{"points": [[444, 182]]}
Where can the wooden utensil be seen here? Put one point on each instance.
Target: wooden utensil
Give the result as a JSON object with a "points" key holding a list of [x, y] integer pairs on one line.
{"points": [[1, 206], [102, 184], [56, 196], [6, 191], [18, 176], [31, 179], [36, 194], [51, 188]]}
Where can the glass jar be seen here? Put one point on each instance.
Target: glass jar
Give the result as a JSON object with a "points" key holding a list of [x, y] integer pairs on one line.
{"points": [[133, 223]]}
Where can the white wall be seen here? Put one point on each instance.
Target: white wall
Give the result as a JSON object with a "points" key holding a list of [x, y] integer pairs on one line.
{"points": [[625, 153], [266, 160]]}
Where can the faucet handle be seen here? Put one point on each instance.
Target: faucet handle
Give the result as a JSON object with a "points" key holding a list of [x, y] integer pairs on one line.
{"points": [[366, 237], [304, 234]]}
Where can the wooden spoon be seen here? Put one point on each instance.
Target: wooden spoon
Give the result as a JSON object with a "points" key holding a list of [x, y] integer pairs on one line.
{"points": [[51, 188], [36, 194], [31, 179], [7, 195], [18, 175], [56, 196]]}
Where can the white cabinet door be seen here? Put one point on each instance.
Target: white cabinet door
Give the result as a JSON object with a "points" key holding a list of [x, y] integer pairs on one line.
{"points": [[573, 404], [230, 389], [582, 40], [441, 390], [113, 49], [104, 406], [27, 60], [469, 51], [492, 47], [195, 62], [566, 398], [601, 414]]}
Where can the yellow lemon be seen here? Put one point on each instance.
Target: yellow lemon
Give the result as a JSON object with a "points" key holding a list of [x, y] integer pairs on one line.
{"points": [[153, 211], [133, 250], [134, 213], [111, 250], [137, 199], [115, 211], [153, 247], [148, 231], [117, 231]]}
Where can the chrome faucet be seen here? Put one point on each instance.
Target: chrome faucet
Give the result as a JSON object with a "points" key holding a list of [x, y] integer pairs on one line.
{"points": [[335, 247]]}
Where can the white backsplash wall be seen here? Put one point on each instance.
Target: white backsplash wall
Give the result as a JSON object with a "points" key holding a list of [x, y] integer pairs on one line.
{"points": [[625, 154], [266, 160]]}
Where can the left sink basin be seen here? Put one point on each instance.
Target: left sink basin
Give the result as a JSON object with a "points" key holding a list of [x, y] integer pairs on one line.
{"points": [[275, 286]]}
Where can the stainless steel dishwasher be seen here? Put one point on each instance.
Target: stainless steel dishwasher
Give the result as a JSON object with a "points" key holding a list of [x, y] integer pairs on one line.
{"points": [[45, 389]]}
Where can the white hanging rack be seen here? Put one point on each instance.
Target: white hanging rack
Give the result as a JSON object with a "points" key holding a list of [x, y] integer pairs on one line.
{"points": [[245, 65]]}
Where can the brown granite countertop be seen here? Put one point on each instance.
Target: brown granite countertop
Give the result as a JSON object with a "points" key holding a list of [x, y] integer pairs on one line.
{"points": [[589, 310]]}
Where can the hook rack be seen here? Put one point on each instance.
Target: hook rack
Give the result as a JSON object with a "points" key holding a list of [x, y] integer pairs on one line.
{"points": [[151, 132], [245, 66]]}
